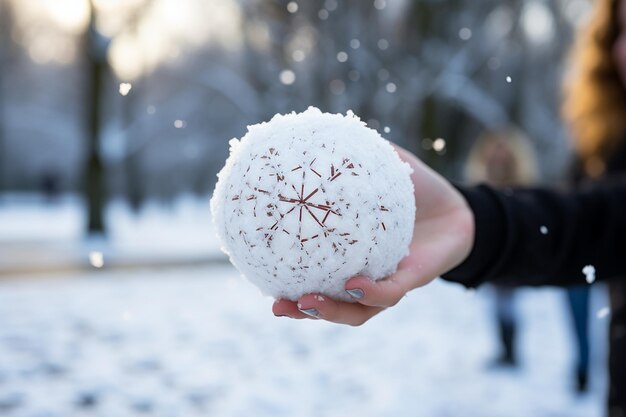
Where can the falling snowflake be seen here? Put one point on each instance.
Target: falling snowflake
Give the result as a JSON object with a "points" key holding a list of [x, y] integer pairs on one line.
{"points": [[292, 7], [603, 312], [96, 259], [125, 88], [590, 273]]}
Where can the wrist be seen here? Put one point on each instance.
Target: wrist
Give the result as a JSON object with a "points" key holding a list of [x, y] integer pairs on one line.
{"points": [[485, 226]]}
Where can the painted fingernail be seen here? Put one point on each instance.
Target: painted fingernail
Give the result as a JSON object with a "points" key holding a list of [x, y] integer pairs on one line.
{"points": [[311, 312], [356, 293]]}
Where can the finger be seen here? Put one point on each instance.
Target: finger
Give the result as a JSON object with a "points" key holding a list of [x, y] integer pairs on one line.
{"points": [[383, 293], [286, 308], [386, 292], [322, 307]]}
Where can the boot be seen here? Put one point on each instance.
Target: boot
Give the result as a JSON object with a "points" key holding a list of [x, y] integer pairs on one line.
{"points": [[507, 338], [507, 331], [581, 381]]}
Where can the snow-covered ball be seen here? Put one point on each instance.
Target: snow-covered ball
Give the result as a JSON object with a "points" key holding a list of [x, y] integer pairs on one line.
{"points": [[306, 201]]}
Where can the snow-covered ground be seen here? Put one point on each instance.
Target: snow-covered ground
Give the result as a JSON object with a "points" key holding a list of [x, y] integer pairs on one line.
{"points": [[203, 342], [182, 227], [41, 236], [198, 341]]}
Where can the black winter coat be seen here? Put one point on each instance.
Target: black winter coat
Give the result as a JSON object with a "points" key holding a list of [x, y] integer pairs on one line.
{"points": [[546, 237]]}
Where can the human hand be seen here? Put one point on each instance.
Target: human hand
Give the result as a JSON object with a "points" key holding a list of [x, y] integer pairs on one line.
{"points": [[443, 235]]}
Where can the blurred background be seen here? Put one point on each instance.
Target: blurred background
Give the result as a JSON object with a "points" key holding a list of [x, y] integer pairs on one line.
{"points": [[115, 117]]}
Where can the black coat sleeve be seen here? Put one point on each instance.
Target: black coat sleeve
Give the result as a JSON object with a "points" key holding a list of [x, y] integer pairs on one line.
{"points": [[545, 237]]}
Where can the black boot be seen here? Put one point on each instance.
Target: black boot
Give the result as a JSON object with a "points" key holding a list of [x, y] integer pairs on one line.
{"points": [[581, 381], [508, 342], [507, 338]]}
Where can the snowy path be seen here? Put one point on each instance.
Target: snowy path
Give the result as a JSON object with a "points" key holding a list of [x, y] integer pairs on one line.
{"points": [[200, 342]]}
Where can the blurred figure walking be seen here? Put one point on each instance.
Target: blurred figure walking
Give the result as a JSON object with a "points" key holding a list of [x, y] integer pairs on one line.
{"points": [[503, 158]]}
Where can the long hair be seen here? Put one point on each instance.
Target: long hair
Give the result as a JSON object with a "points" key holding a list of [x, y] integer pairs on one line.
{"points": [[595, 97]]}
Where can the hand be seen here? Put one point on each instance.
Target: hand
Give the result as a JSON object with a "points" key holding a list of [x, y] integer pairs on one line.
{"points": [[443, 236]]}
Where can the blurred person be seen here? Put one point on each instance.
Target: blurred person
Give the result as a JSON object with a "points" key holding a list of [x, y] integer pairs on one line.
{"points": [[51, 185], [503, 158], [473, 235]]}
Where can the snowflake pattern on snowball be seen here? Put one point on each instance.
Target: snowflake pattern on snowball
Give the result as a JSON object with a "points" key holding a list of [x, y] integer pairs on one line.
{"points": [[308, 200]]}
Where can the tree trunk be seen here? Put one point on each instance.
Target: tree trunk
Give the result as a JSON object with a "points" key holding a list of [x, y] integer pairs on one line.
{"points": [[94, 187], [5, 27]]}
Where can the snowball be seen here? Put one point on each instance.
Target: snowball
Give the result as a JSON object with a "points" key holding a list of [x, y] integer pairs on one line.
{"points": [[306, 201]]}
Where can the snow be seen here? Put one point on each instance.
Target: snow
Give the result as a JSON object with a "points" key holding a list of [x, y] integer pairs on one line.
{"points": [[439, 144], [590, 273], [287, 77], [298, 55], [308, 200], [51, 232], [465, 33], [603, 312], [292, 7], [201, 341], [125, 88], [96, 259]]}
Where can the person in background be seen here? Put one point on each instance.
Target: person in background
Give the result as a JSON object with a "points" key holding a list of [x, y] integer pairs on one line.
{"points": [[503, 158], [595, 110]]}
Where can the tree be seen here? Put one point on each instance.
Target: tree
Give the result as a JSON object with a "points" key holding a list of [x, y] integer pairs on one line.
{"points": [[95, 47], [5, 32]]}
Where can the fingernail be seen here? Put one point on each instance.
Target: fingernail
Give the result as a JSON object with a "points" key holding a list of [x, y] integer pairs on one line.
{"points": [[356, 293], [311, 312]]}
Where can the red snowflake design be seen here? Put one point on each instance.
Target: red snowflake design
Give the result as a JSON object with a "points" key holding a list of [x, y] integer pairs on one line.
{"points": [[308, 205], [313, 205]]}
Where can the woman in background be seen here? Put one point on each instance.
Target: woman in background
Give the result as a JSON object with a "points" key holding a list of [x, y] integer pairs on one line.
{"points": [[503, 158]]}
